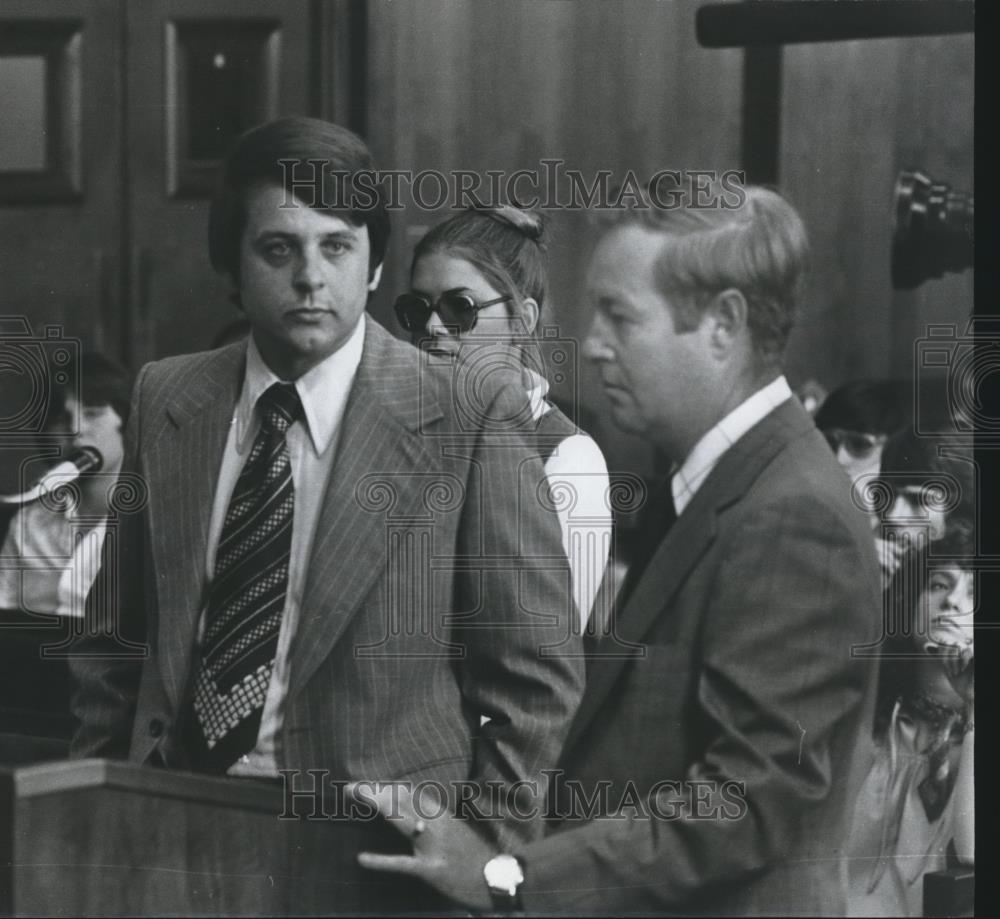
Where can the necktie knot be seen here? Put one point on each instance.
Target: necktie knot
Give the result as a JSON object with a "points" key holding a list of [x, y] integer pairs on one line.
{"points": [[280, 406]]}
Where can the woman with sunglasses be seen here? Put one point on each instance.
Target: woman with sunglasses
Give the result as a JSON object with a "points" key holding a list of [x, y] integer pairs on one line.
{"points": [[479, 278], [915, 809]]}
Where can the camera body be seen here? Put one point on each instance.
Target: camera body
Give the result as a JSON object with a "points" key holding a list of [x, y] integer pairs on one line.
{"points": [[933, 233]]}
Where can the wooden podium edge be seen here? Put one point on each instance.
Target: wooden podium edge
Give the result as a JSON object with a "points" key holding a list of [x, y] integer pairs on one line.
{"points": [[264, 795]]}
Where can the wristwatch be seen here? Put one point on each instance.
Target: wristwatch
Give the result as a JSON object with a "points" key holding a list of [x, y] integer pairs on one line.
{"points": [[504, 875]]}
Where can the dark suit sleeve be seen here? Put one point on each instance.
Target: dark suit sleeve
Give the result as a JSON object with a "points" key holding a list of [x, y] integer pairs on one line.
{"points": [[780, 700], [106, 660], [523, 667]]}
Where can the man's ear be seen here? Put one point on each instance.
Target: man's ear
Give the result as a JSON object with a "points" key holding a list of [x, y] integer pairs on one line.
{"points": [[729, 314], [376, 276], [528, 313]]}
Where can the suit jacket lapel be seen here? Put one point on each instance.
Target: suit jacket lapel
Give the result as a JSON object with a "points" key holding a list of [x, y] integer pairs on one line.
{"points": [[683, 547], [379, 442], [184, 463]]}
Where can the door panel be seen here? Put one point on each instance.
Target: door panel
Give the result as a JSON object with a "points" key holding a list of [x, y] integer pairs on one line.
{"points": [[198, 75], [60, 167]]}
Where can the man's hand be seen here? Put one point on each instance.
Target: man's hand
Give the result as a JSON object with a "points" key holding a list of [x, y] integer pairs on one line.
{"points": [[447, 853]]}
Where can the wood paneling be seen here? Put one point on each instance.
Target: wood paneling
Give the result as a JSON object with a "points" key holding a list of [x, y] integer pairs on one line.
{"points": [[500, 85], [456, 84], [855, 114], [176, 302]]}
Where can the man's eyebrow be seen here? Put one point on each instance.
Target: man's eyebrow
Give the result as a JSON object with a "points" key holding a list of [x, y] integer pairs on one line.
{"points": [[344, 233]]}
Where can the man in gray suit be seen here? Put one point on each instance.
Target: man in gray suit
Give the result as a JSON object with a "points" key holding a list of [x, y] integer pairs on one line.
{"points": [[722, 734], [333, 568]]}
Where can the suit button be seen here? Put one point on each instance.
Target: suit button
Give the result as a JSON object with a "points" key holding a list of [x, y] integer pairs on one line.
{"points": [[156, 727]]}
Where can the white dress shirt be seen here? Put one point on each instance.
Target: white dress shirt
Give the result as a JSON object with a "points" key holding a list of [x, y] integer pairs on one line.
{"points": [[312, 445], [585, 524], [710, 449]]}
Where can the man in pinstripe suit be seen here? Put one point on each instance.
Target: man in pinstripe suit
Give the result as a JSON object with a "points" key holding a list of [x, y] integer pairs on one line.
{"points": [[423, 626]]}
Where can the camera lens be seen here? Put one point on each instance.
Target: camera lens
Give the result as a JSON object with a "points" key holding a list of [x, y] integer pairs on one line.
{"points": [[934, 230]]}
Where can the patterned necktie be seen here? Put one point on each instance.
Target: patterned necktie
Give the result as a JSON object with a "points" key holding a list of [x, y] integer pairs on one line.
{"points": [[247, 595]]}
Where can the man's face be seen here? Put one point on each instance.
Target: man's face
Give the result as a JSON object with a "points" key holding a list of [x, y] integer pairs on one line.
{"points": [[304, 279], [654, 376]]}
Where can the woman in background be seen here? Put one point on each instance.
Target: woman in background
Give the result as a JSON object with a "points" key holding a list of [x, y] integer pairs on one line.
{"points": [[479, 278], [916, 805]]}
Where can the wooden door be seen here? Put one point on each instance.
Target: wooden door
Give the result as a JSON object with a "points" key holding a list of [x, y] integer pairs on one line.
{"points": [[61, 168], [60, 206], [198, 74]]}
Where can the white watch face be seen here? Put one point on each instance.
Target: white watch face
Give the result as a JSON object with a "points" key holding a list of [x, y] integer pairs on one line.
{"points": [[503, 874]]}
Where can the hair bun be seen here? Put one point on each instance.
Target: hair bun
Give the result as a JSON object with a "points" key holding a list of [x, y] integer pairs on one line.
{"points": [[527, 222]]}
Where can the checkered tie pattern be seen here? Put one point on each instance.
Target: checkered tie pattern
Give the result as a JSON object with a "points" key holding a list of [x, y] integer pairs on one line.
{"points": [[247, 595]]}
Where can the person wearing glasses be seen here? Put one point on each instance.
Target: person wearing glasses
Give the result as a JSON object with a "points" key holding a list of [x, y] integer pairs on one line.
{"points": [[925, 484], [915, 810], [478, 281], [857, 420]]}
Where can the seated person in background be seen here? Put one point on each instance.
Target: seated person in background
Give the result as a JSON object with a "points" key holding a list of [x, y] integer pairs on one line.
{"points": [[859, 417], [51, 550], [918, 795], [480, 278], [929, 482]]}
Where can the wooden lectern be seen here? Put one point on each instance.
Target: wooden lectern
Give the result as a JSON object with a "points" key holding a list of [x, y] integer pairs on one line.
{"points": [[102, 838]]}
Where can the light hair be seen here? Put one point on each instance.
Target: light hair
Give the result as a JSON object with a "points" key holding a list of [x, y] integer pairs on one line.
{"points": [[754, 242], [505, 244]]}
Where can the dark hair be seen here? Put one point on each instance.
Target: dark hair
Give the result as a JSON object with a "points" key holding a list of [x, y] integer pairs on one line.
{"points": [[755, 242], [506, 244], [102, 382], [898, 672], [868, 406], [311, 159]]}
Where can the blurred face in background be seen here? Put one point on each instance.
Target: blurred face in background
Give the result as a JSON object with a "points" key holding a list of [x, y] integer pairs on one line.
{"points": [[98, 426], [859, 452], [948, 601], [916, 514]]}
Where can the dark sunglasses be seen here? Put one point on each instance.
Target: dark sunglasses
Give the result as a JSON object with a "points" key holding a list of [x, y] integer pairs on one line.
{"points": [[858, 444], [456, 310]]}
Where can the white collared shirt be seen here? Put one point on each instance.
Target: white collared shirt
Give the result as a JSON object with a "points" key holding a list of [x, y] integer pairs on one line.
{"points": [[710, 449], [312, 445], [585, 522]]}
